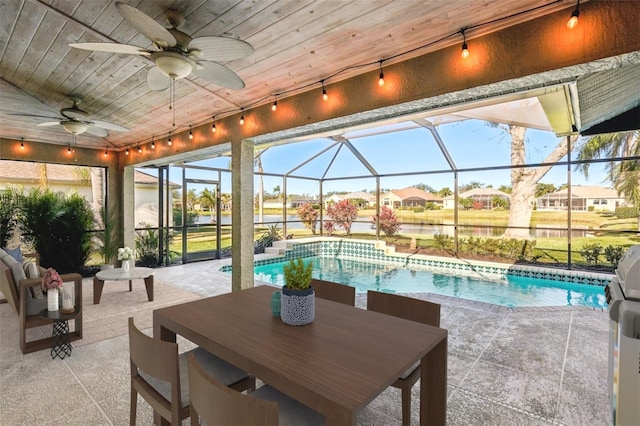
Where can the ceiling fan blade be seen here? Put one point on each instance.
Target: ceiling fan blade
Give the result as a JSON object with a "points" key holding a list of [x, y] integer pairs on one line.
{"points": [[111, 48], [219, 74], [146, 25], [34, 115], [109, 126], [214, 48], [48, 123], [96, 131], [157, 80]]}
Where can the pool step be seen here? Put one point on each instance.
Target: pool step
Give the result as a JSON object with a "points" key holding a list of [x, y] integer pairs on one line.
{"points": [[279, 247]]}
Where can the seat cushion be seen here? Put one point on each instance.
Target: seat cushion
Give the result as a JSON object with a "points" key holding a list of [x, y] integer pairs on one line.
{"points": [[217, 368], [290, 411]]}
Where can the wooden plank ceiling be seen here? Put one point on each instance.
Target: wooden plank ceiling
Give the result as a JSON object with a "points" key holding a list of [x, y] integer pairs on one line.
{"points": [[297, 43]]}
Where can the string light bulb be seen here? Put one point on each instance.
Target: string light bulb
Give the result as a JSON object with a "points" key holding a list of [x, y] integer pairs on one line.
{"points": [[68, 149], [169, 141], [153, 143], [22, 143], [139, 150], [106, 152], [242, 117], [190, 134], [213, 125], [325, 97], [381, 78], [573, 21], [465, 48], [126, 152], [275, 104]]}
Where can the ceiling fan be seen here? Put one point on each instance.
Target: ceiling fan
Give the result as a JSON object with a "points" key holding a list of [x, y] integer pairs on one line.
{"points": [[77, 121], [177, 54]]}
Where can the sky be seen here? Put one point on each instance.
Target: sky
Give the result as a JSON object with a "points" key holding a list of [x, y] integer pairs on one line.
{"points": [[470, 143]]}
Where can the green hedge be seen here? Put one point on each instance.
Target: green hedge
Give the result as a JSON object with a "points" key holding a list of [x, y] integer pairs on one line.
{"points": [[626, 212]]}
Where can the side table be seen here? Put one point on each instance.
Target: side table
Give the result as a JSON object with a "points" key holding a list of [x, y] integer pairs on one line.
{"points": [[61, 345]]}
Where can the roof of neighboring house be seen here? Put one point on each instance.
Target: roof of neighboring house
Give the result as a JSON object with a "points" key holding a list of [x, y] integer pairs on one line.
{"points": [[587, 192], [475, 192], [413, 192], [28, 173], [363, 195]]}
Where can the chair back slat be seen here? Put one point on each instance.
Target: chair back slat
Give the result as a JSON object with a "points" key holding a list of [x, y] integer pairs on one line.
{"points": [[334, 291], [216, 404], [404, 307]]}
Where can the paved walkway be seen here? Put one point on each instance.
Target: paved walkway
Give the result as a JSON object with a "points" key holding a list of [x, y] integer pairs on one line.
{"points": [[506, 366]]}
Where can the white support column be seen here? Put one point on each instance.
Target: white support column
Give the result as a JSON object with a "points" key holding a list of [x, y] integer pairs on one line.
{"points": [[242, 214], [128, 207]]}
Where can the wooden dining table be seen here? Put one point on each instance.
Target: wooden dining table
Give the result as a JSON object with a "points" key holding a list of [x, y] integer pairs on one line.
{"points": [[336, 365]]}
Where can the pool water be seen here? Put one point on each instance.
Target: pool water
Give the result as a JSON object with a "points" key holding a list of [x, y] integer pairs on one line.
{"points": [[511, 291]]}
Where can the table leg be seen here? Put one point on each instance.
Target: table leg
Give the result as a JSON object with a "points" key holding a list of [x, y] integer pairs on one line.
{"points": [[61, 346], [98, 284], [130, 287], [148, 283], [433, 386]]}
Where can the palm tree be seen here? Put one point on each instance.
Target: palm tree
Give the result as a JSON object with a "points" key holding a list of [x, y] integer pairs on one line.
{"points": [[208, 200], [623, 174]]}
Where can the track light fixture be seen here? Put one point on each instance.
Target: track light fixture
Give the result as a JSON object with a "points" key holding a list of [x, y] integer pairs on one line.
{"points": [[324, 92], [573, 21], [242, 117], [275, 104], [381, 78], [465, 48], [190, 134], [213, 125]]}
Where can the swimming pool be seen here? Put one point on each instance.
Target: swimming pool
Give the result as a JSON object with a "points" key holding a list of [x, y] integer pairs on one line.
{"points": [[507, 290]]}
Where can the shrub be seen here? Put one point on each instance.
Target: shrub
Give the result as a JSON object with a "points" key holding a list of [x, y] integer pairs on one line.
{"points": [[147, 246], [309, 216], [419, 209], [57, 227], [389, 222], [343, 213], [442, 241], [613, 254], [329, 227], [626, 212], [591, 208], [591, 253]]}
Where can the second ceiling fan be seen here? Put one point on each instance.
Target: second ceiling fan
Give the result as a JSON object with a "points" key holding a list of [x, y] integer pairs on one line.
{"points": [[177, 54]]}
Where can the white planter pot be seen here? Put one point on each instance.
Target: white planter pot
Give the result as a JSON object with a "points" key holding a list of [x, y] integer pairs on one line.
{"points": [[298, 307]]}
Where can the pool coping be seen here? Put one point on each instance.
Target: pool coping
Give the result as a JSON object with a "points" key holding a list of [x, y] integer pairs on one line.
{"points": [[379, 251]]}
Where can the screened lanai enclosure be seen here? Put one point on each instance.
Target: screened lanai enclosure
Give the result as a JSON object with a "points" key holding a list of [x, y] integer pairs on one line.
{"points": [[459, 181]]}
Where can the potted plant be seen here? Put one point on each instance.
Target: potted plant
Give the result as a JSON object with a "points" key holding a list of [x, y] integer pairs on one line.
{"points": [[298, 298]]}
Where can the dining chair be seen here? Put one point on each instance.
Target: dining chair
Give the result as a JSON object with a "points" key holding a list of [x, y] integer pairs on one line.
{"points": [[414, 310], [160, 375], [216, 404], [333, 291]]}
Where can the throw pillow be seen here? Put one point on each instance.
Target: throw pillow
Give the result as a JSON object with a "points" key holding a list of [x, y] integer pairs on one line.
{"points": [[15, 253], [31, 271]]}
